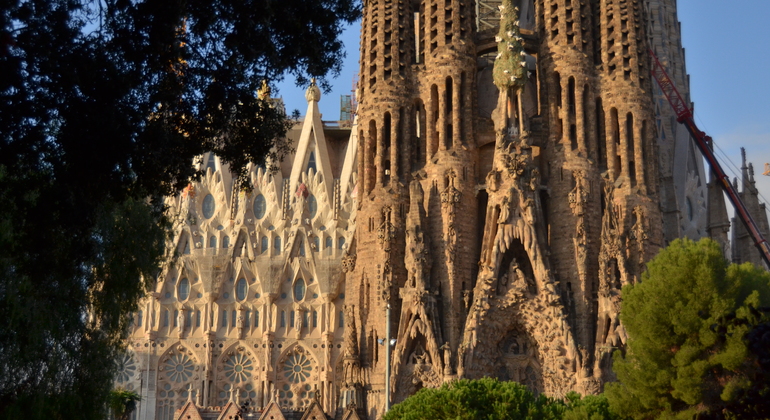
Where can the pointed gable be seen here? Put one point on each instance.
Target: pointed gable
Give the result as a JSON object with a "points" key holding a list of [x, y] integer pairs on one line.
{"points": [[314, 412], [350, 413], [188, 412], [312, 142], [272, 412], [230, 411]]}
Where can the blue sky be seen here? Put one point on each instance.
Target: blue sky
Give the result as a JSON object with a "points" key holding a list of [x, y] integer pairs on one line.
{"points": [[728, 59]]}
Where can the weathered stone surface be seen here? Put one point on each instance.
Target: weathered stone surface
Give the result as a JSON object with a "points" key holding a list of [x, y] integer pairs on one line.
{"points": [[498, 226]]}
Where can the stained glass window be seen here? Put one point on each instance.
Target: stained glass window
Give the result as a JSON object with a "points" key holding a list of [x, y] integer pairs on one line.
{"points": [[260, 206], [297, 368], [126, 368], [213, 242], [238, 368], [240, 289], [299, 290], [209, 205], [179, 368], [183, 291], [312, 206]]}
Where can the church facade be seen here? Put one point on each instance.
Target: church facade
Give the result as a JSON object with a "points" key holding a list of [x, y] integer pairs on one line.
{"points": [[477, 229]]}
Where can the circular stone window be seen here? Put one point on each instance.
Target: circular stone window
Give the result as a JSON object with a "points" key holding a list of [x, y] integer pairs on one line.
{"points": [[260, 206], [297, 368], [238, 368], [179, 368], [209, 205], [126, 368]]}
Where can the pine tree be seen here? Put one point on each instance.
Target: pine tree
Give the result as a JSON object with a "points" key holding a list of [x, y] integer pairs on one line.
{"points": [[678, 364]]}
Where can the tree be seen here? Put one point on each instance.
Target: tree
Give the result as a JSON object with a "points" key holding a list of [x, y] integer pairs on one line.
{"points": [[104, 104], [122, 403], [678, 364], [490, 399]]}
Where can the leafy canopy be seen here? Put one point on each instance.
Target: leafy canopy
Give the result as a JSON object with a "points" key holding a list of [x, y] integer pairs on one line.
{"points": [[678, 363], [490, 399], [104, 104]]}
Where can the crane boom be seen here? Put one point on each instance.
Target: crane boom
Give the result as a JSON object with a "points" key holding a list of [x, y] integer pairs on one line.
{"points": [[684, 116]]}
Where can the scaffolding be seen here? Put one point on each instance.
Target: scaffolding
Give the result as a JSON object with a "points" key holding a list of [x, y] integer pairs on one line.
{"points": [[487, 14]]}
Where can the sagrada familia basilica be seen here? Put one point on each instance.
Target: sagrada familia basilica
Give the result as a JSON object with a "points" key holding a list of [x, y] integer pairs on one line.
{"points": [[479, 217]]}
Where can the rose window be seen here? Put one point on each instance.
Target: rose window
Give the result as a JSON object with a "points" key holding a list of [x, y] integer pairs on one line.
{"points": [[126, 368], [297, 368], [179, 368], [238, 368]]}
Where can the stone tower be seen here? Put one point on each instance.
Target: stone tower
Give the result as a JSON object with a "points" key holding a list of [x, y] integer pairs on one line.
{"points": [[499, 224], [496, 190]]}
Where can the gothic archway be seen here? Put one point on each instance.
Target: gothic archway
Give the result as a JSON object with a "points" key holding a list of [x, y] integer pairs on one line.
{"points": [[178, 372], [296, 378], [237, 370]]}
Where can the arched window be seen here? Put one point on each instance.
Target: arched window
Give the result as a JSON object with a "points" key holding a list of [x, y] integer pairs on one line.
{"points": [[264, 244], [328, 242], [208, 207], [342, 319], [291, 318], [246, 319], [315, 319], [301, 247], [186, 246], [165, 318], [283, 318], [340, 243], [240, 289], [183, 290], [233, 318], [256, 319], [197, 318], [213, 242], [317, 243], [176, 316], [312, 206], [260, 206], [224, 318], [226, 242], [299, 290], [277, 244]]}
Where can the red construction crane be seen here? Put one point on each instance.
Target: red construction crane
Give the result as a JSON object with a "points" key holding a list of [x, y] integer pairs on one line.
{"points": [[684, 116]]}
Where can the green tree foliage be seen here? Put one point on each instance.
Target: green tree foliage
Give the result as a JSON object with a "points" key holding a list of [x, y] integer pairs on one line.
{"points": [[122, 403], [104, 104], [678, 363], [490, 399]]}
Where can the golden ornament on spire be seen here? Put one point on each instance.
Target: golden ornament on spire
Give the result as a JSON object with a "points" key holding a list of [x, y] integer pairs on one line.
{"points": [[263, 92]]}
